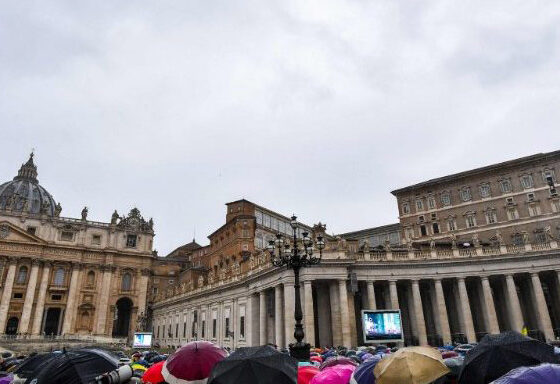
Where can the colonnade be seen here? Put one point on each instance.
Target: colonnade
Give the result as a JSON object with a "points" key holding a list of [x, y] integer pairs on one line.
{"points": [[435, 310]]}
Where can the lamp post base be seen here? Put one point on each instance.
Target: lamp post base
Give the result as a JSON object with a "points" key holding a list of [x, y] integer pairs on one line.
{"points": [[300, 351]]}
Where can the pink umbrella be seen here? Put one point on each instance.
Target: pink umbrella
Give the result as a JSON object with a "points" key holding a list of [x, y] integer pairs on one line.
{"points": [[337, 360], [338, 374], [192, 363]]}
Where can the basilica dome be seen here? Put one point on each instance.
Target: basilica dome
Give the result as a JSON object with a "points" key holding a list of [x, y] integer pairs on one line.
{"points": [[24, 194]]}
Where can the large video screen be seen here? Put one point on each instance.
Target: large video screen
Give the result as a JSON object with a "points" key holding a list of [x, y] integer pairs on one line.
{"points": [[383, 326], [142, 340]]}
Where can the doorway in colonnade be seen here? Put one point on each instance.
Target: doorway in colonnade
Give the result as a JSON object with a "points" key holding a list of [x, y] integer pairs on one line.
{"points": [[12, 326], [52, 321], [121, 325]]}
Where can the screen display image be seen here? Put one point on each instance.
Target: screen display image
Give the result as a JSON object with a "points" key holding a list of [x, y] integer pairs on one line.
{"points": [[382, 326], [142, 340]]}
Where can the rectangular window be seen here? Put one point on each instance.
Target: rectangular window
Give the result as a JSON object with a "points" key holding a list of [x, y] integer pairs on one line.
{"points": [[409, 233], [491, 217], [18, 295], [31, 230], [242, 327], [466, 194], [512, 214], [214, 323], [184, 329], [540, 237], [530, 197], [485, 190], [435, 228], [505, 186], [445, 199], [227, 327], [527, 181], [66, 236], [96, 240], [266, 221], [177, 330], [423, 231], [131, 241], [158, 331], [451, 225], [259, 217], [419, 205], [203, 328], [56, 297], [471, 221], [431, 202], [405, 208], [534, 209]]}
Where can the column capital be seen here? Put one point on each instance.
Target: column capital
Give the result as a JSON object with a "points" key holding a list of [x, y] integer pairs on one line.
{"points": [[484, 277], [461, 278], [415, 281], [36, 261], [437, 279]]}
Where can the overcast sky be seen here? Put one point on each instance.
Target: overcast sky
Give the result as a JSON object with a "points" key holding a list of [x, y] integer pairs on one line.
{"points": [[315, 107]]}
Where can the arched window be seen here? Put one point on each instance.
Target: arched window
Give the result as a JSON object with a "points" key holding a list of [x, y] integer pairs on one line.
{"points": [[91, 279], [126, 282], [59, 277], [22, 275]]}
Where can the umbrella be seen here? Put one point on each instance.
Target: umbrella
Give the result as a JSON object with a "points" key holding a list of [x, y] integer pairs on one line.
{"points": [[316, 359], [496, 355], [153, 374], [454, 364], [305, 374], [364, 373], [255, 365], [338, 374], [7, 379], [338, 360], [541, 374], [73, 366], [350, 352], [192, 362], [449, 354], [412, 365], [366, 356]]}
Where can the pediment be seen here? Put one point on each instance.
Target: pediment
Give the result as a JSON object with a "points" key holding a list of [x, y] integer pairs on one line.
{"points": [[10, 232]]}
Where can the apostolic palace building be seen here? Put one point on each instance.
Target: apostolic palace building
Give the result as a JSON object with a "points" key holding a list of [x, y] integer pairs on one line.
{"points": [[473, 253]]}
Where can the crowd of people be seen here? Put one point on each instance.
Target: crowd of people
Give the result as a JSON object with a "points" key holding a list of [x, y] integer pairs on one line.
{"points": [[507, 358]]}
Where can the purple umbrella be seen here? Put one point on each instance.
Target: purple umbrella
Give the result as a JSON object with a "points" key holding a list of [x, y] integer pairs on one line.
{"points": [[542, 374], [366, 356], [337, 360], [6, 379], [364, 373]]}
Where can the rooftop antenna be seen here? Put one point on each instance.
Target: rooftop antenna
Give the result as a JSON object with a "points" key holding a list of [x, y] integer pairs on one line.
{"points": [[194, 234]]}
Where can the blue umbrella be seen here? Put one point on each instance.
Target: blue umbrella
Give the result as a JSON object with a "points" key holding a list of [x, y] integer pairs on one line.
{"points": [[542, 374], [364, 373]]}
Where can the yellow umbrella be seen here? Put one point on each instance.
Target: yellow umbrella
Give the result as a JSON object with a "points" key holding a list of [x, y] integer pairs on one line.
{"points": [[413, 365]]}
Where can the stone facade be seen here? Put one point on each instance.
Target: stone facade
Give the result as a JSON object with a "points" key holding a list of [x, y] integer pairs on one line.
{"points": [[68, 276], [451, 284]]}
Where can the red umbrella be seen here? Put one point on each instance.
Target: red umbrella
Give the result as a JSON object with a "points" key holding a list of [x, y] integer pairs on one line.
{"points": [[316, 359], [192, 362], [449, 354], [153, 374], [305, 374]]}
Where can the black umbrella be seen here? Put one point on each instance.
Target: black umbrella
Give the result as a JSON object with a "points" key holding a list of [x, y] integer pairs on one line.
{"points": [[78, 366], [496, 355], [255, 365]]}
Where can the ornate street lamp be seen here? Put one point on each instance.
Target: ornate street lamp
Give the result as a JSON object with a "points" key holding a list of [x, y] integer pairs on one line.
{"points": [[298, 256]]}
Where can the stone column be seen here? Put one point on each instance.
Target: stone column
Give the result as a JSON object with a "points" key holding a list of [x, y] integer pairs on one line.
{"points": [[71, 302], [466, 311], [7, 295], [278, 316], [393, 294], [543, 317], [371, 295], [419, 313], [262, 318], [344, 314], [250, 334], [442, 313], [335, 313], [491, 317], [514, 307], [142, 290], [29, 298], [103, 300], [309, 318], [289, 321], [37, 319]]}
